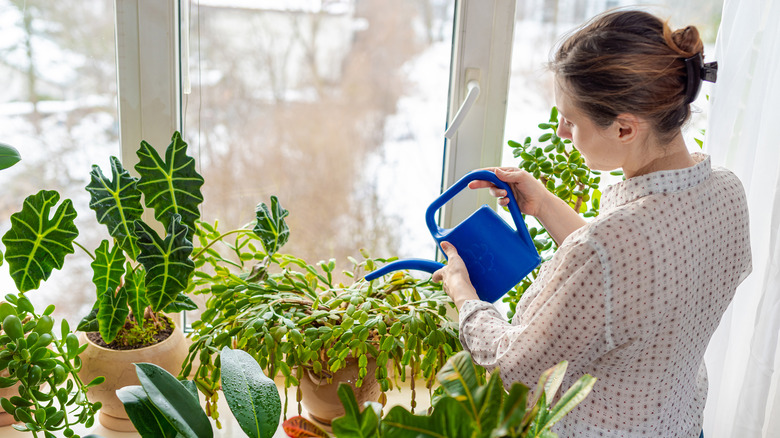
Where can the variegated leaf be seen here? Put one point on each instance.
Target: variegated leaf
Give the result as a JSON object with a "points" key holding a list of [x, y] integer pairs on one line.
{"points": [[181, 303], [117, 203], [136, 292], [166, 261], [170, 187], [38, 241], [271, 227], [107, 268], [112, 313]]}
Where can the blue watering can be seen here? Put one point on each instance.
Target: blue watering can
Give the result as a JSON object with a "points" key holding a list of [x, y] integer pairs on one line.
{"points": [[496, 256]]}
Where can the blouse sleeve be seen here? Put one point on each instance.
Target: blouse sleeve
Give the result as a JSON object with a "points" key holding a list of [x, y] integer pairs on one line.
{"points": [[565, 320]]}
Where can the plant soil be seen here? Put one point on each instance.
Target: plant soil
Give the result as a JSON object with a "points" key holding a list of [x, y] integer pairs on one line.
{"points": [[159, 336]]}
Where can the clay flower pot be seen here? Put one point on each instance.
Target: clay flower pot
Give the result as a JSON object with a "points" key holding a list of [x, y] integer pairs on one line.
{"points": [[117, 366], [320, 398], [6, 418]]}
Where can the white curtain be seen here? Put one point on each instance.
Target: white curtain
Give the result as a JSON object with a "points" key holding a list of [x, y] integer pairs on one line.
{"points": [[744, 135]]}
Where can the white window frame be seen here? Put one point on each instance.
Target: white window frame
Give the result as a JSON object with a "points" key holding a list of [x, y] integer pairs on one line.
{"points": [[148, 74], [482, 51]]}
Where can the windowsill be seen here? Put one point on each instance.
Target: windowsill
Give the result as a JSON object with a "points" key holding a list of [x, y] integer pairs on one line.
{"points": [[230, 427]]}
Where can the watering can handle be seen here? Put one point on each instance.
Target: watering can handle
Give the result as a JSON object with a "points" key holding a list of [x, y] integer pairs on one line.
{"points": [[476, 175]]}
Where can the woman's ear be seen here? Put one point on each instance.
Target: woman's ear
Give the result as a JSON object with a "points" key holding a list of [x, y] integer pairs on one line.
{"points": [[627, 127]]}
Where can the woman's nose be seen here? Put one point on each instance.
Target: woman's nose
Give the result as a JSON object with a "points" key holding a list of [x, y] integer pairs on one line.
{"points": [[563, 132]]}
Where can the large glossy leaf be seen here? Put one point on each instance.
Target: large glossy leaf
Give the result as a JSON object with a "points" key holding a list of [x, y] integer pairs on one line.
{"points": [[459, 379], [170, 187], [167, 263], [117, 203], [8, 156], [513, 408], [299, 427], [271, 227], [136, 291], [488, 400], [90, 322], [174, 401], [149, 422], [448, 419], [107, 268], [38, 240], [354, 423], [570, 399], [251, 396], [112, 313]]}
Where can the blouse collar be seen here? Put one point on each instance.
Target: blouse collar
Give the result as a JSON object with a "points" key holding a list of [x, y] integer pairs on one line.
{"points": [[664, 181]]}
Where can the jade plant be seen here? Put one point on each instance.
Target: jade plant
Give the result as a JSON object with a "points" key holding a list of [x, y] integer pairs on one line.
{"points": [[40, 363], [164, 407], [468, 406], [294, 317], [560, 167]]}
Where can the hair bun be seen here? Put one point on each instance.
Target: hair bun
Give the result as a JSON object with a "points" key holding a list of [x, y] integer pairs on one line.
{"points": [[688, 41]]}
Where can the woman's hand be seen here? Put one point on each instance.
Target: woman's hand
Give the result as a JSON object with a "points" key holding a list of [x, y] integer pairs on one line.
{"points": [[532, 197], [455, 278]]}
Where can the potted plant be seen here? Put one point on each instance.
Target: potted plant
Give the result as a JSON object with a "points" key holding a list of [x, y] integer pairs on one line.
{"points": [[302, 322], [466, 405], [40, 387]]}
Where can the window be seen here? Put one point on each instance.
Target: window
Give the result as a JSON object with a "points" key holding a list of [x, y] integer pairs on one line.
{"points": [[58, 108]]}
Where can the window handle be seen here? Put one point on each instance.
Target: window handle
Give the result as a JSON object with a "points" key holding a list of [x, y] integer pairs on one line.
{"points": [[471, 97]]}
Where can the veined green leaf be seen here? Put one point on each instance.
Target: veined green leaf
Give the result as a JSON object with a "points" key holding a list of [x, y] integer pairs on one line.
{"points": [[489, 399], [8, 156], [170, 187], [174, 401], [448, 419], [136, 291], [251, 396], [459, 379], [180, 303], [570, 399], [90, 322], [167, 263], [147, 419], [107, 268], [117, 203], [271, 227], [554, 380], [38, 241], [112, 313], [355, 423], [513, 409]]}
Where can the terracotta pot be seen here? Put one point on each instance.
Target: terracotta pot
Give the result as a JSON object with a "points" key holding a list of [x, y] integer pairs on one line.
{"points": [[320, 398], [6, 418], [117, 367]]}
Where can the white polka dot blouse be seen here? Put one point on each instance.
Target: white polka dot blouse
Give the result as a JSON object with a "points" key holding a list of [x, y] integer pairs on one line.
{"points": [[631, 298]]}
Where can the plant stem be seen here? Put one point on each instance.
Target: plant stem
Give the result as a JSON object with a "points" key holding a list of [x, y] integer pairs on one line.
{"points": [[219, 238], [85, 250]]}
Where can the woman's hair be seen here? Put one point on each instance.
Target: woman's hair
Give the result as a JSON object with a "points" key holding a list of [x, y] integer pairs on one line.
{"points": [[628, 62]]}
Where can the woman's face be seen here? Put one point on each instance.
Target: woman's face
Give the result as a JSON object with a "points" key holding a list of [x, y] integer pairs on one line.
{"points": [[599, 146]]}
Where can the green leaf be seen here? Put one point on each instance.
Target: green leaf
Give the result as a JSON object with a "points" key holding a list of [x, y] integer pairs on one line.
{"points": [[181, 303], [112, 313], [107, 268], [8, 156], [167, 263], [90, 322], [513, 409], [488, 400], [448, 419], [174, 401], [38, 241], [251, 396], [149, 422], [459, 379], [136, 291], [117, 203], [355, 424], [554, 380], [271, 227], [570, 399], [170, 187]]}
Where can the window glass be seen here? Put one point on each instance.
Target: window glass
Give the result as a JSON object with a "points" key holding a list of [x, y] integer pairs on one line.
{"points": [[336, 107], [58, 108], [541, 23]]}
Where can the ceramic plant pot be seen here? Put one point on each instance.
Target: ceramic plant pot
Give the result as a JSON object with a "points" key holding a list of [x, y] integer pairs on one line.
{"points": [[6, 418], [117, 366], [320, 398]]}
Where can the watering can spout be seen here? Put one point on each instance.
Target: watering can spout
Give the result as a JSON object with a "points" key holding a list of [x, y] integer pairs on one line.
{"points": [[496, 256]]}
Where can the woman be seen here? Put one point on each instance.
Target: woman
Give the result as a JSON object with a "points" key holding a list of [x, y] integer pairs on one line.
{"points": [[634, 296]]}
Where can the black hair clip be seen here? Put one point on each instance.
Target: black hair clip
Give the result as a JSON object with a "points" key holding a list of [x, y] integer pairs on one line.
{"points": [[698, 71]]}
